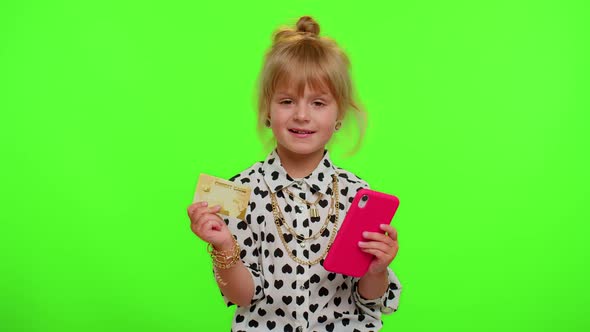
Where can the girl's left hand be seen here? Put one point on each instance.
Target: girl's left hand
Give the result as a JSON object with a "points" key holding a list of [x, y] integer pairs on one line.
{"points": [[383, 246]]}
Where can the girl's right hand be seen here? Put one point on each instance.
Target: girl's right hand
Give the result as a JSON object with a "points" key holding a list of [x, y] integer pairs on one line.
{"points": [[208, 226]]}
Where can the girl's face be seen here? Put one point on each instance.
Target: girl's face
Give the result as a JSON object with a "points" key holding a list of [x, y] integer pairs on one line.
{"points": [[303, 125]]}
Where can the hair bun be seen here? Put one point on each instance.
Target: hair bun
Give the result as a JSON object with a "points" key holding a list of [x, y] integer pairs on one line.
{"points": [[306, 24]]}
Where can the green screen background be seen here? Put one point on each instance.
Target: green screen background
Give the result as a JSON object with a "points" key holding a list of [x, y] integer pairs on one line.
{"points": [[109, 110]]}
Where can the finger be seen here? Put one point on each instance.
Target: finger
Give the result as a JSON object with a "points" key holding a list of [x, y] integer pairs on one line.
{"points": [[207, 227], [211, 222], [201, 229], [376, 245], [197, 214], [191, 208], [217, 223], [215, 209], [380, 255], [391, 232], [203, 207], [203, 222], [205, 231], [208, 222], [202, 210], [380, 237]]}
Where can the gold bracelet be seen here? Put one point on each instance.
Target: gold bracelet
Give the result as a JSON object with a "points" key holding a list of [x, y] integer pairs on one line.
{"points": [[218, 277], [225, 259]]}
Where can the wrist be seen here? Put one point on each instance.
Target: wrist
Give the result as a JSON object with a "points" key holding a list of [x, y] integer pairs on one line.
{"points": [[222, 258], [227, 245], [373, 285], [377, 274]]}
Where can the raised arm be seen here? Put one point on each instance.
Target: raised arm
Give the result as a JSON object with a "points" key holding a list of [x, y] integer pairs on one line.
{"points": [[234, 279]]}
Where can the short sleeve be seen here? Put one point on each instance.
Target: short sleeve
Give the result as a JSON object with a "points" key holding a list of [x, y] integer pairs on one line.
{"points": [[386, 304], [250, 251]]}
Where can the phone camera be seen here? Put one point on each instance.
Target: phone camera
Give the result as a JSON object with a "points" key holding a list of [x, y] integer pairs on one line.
{"points": [[364, 198]]}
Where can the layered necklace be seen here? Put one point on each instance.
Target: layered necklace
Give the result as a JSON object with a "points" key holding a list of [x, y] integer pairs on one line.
{"points": [[280, 222], [313, 210]]}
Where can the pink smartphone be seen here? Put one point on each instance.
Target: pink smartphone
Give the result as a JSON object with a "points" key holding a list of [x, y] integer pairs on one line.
{"points": [[368, 210]]}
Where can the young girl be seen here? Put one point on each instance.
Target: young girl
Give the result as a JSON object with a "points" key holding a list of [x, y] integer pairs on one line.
{"points": [[271, 264]]}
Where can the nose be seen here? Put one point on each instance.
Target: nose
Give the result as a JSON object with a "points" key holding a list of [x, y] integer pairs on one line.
{"points": [[301, 113]]}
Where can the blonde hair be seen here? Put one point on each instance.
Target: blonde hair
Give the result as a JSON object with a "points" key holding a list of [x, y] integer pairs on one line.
{"points": [[301, 57]]}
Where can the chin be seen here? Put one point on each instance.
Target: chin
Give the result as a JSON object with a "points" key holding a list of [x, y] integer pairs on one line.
{"points": [[302, 150]]}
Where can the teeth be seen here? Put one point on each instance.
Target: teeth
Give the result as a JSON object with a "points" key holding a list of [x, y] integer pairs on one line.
{"points": [[301, 132]]}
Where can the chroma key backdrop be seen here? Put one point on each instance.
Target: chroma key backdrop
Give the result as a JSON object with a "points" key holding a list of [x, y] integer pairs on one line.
{"points": [[110, 110]]}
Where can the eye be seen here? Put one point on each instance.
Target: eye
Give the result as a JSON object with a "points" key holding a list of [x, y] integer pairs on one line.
{"points": [[286, 102], [318, 103]]}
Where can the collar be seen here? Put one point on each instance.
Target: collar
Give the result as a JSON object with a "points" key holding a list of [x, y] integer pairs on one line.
{"points": [[276, 176]]}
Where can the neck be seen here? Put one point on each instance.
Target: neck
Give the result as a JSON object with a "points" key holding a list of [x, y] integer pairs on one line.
{"points": [[299, 165]]}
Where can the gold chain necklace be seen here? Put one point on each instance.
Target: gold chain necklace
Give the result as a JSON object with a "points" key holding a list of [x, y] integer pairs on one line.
{"points": [[300, 238], [280, 220], [313, 210]]}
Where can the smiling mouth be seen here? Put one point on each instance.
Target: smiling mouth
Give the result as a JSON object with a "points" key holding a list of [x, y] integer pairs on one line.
{"points": [[301, 132]]}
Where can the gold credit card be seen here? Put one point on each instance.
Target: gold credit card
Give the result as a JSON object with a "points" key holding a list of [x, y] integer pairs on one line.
{"points": [[232, 197]]}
